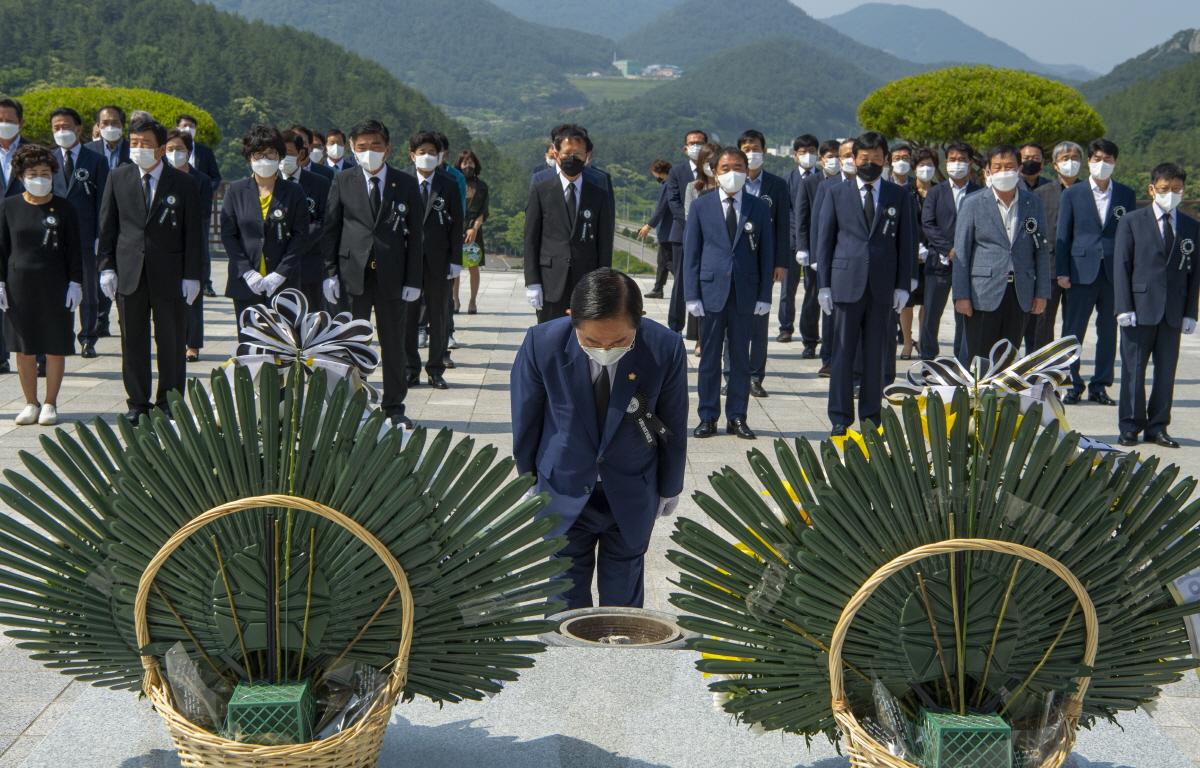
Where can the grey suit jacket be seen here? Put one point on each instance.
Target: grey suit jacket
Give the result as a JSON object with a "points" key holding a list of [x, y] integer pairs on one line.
{"points": [[982, 252]]}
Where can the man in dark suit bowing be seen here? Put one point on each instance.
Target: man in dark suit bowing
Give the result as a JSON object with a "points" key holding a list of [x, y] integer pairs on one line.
{"points": [[569, 229], [729, 260], [678, 179], [442, 217], [599, 415], [1157, 285], [866, 249], [151, 257], [373, 250], [316, 193], [81, 178]]}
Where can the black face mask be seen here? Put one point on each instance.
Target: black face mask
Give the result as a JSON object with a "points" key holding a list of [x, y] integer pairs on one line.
{"points": [[869, 172], [571, 165], [469, 171], [1031, 167]]}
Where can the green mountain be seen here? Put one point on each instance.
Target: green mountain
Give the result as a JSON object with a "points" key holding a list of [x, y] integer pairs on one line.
{"points": [[465, 54], [610, 18], [932, 36], [1183, 47]]}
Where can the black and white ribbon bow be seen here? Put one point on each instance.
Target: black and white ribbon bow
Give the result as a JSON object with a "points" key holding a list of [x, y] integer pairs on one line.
{"points": [[1002, 371]]}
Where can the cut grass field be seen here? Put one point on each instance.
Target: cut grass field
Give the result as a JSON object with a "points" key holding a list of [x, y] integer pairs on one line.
{"points": [[601, 89]]}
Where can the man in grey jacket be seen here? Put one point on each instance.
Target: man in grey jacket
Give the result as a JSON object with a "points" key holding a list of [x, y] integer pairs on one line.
{"points": [[1002, 264]]}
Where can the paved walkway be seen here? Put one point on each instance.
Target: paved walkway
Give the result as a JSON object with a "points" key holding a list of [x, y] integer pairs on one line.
{"points": [[477, 403]]}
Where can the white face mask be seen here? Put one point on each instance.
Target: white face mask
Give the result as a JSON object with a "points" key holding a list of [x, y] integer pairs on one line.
{"points": [[957, 169], [550, 162], [926, 172], [9, 130], [178, 159], [65, 139], [264, 168], [1168, 201], [806, 160], [143, 157], [754, 160], [848, 167], [317, 155], [1101, 169], [425, 162], [289, 164], [336, 151], [1068, 168], [693, 150], [831, 165], [606, 357], [732, 182], [1004, 181], [190, 130], [901, 167], [369, 159], [38, 186], [111, 133]]}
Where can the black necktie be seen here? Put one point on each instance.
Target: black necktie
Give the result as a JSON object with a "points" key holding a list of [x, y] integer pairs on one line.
{"points": [[146, 190], [731, 217], [376, 200], [572, 207], [602, 389], [425, 193], [1168, 235], [869, 205], [68, 165]]}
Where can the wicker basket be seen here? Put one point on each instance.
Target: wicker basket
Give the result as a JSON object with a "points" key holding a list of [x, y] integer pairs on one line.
{"points": [[864, 751], [356, 747]]}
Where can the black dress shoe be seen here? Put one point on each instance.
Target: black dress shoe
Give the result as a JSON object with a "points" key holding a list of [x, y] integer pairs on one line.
{"points": [[1129, 439], [5, 367], [103, 333], [135, 415], [809, 353], [89, 351], [656, 294], [438, 382], [400, 420], [826, 372], [1100, 397], [784, 337], [413, 379], [1163, 439], [448, 363], [756, 388], [739, 427], [1071, 398], [839, 430], [706, 429]]}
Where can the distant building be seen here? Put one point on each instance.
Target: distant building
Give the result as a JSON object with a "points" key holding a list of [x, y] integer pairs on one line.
{"points": [[665, 71], [627, 67]]}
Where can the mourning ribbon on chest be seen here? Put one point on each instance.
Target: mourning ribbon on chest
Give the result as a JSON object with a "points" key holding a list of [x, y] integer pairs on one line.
{"points": [[650, 426]]}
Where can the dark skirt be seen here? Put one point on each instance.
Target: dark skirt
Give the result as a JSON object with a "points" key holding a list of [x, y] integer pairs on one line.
{"points": [[37, 321], [917, 297]]}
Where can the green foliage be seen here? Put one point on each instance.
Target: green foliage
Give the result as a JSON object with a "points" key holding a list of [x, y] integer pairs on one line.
{"points": [[982, 105], [164, 107], [611, 18], [626, 262], [601, 89], [1179, 50]]}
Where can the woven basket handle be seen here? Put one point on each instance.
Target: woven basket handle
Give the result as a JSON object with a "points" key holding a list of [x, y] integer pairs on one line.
{"points": [[142, 627], [836, 679]]}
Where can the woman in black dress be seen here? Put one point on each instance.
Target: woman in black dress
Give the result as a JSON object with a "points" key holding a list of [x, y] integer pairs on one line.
{"points": [[41, 279], [477, 213]]}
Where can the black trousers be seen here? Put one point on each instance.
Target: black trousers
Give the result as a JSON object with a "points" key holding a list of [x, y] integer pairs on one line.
{"points": [[195, 323], [315, 296], [1140, 345], [390, 317], [676, 312], [89, 307], [810, 309], [595, 544], [867, 322], [937, 295], [434, 309], [664, 267], [1082, 302], [138, 313], [984, 329], [1045, 324]]}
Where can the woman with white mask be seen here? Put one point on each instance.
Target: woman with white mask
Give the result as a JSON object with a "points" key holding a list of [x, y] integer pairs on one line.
{"points": [[706, 181]]}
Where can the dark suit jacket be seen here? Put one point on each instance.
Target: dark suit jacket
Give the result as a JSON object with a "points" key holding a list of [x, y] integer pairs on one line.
{"points": [[442, 225], [353, 238], [591, 173], [281, 239], [854, 259], [803, 204], [938, 219], [1050, 195], [205, 185], [85, 190], [1085, 243], [165, 243], [14, 186], [553, 249], [321, 170], [97, 146], [206, 163], [778, 197], [337, 166], [677, 180], [1149, 281], [795, 182], [316, 193], [555, 434], [663, 220], [711, 264]]}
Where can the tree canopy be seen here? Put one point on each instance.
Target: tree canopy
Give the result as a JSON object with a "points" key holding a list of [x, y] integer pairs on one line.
{"points": [[164, 107]]}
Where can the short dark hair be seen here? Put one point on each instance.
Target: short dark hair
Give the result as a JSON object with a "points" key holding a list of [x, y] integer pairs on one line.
{"points": [[318, 137], [736, 151], [367, 127], [424, 137], [924, 153], [443, 141], [14, 105], [67, 112], [185, 116], [1169, 171], [604, 294], [696, 130], [752, 135], [660, 166], [30, 156], [1033, 144], [466, 155], [999, 151], [260, 138], [870, 140], [829, 146], [1103, 145], [335, 132], [303, 130], [120, 112], [570, 131], [901, 147], [186, 138], [149, 125], [805, 141], [295, 140], [961, 146]]}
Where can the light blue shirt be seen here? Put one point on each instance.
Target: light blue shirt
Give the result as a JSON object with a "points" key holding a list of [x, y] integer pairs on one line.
{"points": [[754, 186], [6, 159]]}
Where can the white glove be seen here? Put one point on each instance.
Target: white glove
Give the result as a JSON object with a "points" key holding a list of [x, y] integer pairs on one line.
{"points": [[666, 506], [3, 298], [762, 307], [410, 294], [913, 285], [191, 290], [1189, 325], [1128, 319], [74, 296], [254, 280], [533, 294], [802, 258], [695, 308], [455, 271], [899, 299], [825, 299], [108, 283], [331, 289], [272, 283], [922, 253]]}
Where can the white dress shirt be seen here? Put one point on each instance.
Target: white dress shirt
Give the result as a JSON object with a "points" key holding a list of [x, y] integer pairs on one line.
{"points": [[1008, 215], [381, 174], [578, 182], [862, 193], [959, 192], [1174, 218], [155, 175], [1102, 197]]}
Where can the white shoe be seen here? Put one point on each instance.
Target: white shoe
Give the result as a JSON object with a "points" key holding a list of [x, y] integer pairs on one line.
{"points": [[422, 338], [28, 415], [451, 343], [48, 416]]}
